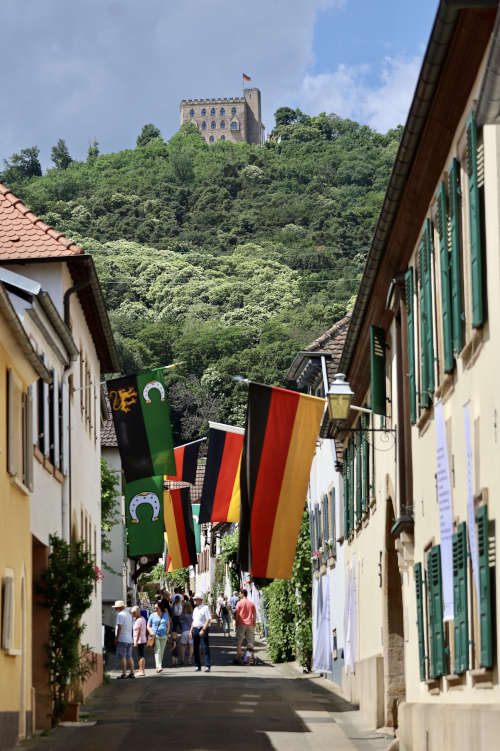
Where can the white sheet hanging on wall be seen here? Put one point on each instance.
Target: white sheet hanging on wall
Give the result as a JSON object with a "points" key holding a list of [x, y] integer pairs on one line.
{"points": [[445, 512], [322, 653], [347, 620], [353, 618]]}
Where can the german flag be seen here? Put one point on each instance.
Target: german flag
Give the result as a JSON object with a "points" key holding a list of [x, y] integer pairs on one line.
{"points": [[280, 439], [178, 518], [220, 497], [186, 461]]}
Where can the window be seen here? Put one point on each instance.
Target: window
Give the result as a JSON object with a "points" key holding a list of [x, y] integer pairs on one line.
{"points": [[8, 611], [222, 111], [234, 125], [203, 125], [222, 123], [233, 110], [191, 113], [223, 138], [475, 172], [212, 139], [437, 663], [377, 370], [213, 125], [203, 112], [19, 431], [426, 318], [212, 111]]}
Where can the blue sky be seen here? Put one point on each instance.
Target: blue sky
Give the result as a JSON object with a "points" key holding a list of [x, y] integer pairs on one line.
{"points": [[103, 68]]}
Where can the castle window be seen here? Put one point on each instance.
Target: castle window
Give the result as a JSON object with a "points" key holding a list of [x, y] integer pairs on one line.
{"points": [[212, 124], [234, 125], [191, 113], [222, 111], [203, 125], [212, 111], [223, 138], [203, 112], [212, 139], [222, 123], [233, 110]]}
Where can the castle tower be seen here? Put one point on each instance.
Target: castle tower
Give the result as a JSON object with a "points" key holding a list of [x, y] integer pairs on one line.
{"points": [[226, 119]]}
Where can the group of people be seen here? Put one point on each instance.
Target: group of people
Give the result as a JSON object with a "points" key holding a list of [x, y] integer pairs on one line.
{"points": [[186, 620]]}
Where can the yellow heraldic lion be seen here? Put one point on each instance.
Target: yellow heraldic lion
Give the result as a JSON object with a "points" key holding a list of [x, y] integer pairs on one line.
{"points": [[146, 497], [122, 399]]}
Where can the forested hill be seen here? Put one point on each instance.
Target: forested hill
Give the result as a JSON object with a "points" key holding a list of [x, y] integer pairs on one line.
{"points": [[228, 257]]}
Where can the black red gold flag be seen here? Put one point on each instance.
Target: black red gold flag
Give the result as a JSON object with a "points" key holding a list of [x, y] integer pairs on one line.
{"points": [[220, 497], [280, 438], [142, 423], [179, 527], [186, 461]]}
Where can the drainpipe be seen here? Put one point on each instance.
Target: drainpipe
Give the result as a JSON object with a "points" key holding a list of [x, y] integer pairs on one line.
{"points": [[66, 490]]}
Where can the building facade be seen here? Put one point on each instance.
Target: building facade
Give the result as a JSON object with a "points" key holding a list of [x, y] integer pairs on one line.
{"points": [[19, 368], [228, 119], [422, 355]]}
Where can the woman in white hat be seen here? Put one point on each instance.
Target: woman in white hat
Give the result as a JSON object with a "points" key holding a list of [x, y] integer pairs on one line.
{"points": [[199, 631]]}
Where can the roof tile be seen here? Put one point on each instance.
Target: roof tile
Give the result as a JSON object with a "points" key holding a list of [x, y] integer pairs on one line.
{"points": [[23, 235]]}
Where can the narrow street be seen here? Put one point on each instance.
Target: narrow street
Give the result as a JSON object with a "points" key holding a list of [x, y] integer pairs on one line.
{"points": [[234, 707]]}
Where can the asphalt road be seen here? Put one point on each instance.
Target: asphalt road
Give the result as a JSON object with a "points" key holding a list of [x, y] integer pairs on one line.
{"points": [[233, 707]]}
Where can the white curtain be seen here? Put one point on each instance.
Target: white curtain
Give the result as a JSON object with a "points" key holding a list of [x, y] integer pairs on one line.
{"points": [[322, 653]]}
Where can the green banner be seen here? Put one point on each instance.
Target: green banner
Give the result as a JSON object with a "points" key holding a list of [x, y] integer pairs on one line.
{"points": [[142, 422], [197, 526], [144, 516]]}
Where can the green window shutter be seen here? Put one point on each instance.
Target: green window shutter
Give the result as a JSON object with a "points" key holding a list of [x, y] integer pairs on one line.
{"points": [[444, 262], [417, 569], [410, 316], [365, 458], [351, 484], [485, 605], [326, 520], [332, 519], [476, 240], [424, 360], [461, 615], [436, 629], [311, 531], [359, 476], [426, 333], [345, 476], [377, 369], [455, 256]]}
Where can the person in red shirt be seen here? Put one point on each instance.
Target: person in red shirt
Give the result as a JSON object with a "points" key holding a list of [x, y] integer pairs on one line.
{"points": [[246, 615]]}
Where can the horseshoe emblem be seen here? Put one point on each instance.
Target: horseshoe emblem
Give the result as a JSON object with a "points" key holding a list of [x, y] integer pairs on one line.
{"points": [[146, 497], [151, 386]]}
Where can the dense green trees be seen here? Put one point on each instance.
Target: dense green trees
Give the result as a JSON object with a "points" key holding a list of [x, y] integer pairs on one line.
{"points": [[22, 166], [60, 155], [228, 257]]}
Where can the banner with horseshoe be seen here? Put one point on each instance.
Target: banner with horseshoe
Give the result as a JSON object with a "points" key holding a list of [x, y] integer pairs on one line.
{"points": [[141, 417], [144, 516]]}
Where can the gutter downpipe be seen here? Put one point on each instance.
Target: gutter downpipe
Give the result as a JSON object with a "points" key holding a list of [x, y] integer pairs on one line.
{"points": [[66, 485], [434, 56]]}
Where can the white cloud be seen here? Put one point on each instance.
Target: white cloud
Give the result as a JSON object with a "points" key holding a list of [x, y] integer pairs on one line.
{"points": [[380, 98]]}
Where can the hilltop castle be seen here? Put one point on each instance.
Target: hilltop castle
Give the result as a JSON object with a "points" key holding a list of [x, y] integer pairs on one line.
{"points": [[227, 119]]}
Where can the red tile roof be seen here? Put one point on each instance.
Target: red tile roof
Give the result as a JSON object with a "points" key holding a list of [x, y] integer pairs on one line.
{"points": [[23, 235]]}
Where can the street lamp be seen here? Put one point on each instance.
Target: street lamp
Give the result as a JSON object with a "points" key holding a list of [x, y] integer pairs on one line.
{"points": [[339, 398]]}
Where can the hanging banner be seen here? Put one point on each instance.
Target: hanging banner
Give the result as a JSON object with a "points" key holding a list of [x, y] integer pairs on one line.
{"points": [[471, 511], [186, 462], [280, 439], [353, 617], [195, 507], [141, 418], [179, 527], [220, 498], [445, 513], [322, 652], [144, 516], [347, 620]]}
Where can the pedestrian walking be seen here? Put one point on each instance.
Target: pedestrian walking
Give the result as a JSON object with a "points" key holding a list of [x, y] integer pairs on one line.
{"points": [[139, 634], [225, 617], [176, 612], [158, 630], [246, 615], [199, 631], [218, 609], [233, 601], [186, 640], [124, 638]]}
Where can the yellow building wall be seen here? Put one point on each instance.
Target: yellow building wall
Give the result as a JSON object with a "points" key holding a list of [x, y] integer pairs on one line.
{"points": [[15, 559]]}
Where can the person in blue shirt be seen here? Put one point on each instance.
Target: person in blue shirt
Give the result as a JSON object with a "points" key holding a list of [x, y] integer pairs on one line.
{"points": [[159, 627]]}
